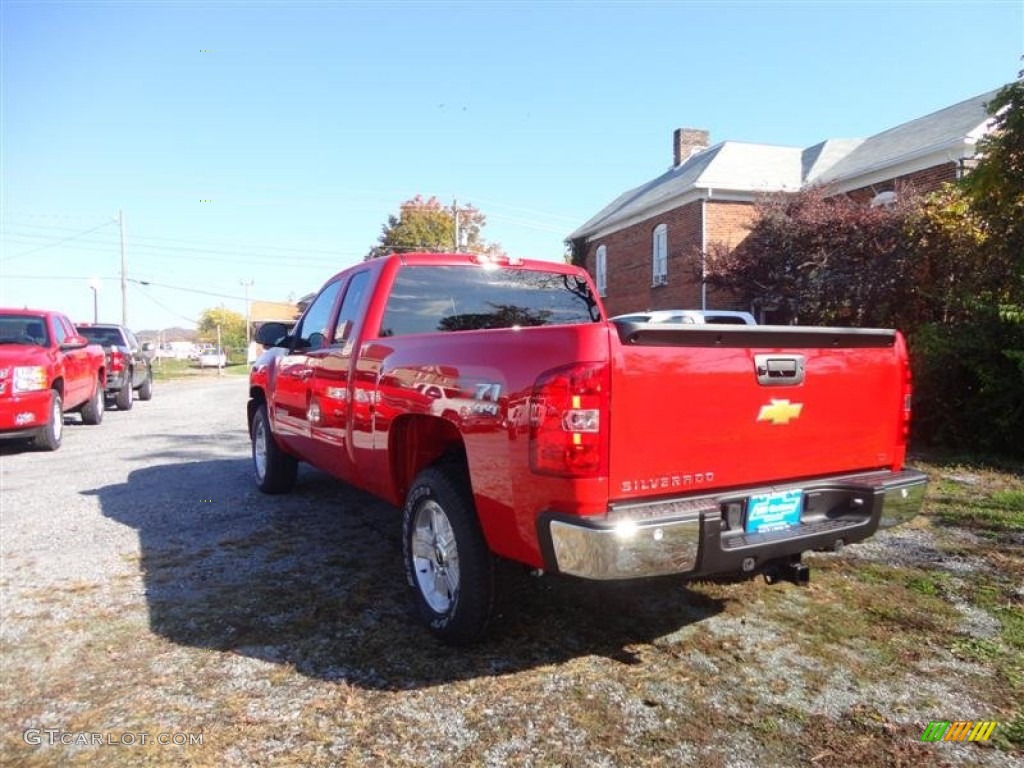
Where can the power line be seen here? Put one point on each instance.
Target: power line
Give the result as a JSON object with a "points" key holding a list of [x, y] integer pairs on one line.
{"points": [[186, 290], [54, 244], [243, 246], [56, 277], [164, 306], [113, 243], [529, 211], [266, 260]]}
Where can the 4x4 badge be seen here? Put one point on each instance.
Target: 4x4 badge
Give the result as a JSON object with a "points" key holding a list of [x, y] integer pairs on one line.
{"points": [[780, 412]]}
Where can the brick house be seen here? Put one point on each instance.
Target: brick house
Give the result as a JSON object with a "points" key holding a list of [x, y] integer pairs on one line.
{"points": [[644, 249]]}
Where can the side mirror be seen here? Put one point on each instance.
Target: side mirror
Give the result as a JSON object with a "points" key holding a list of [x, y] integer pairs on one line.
{"points": [[148, 350], [74, 342], [273, 335]]}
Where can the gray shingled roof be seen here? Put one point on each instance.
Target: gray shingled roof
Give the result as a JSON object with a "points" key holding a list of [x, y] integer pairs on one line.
{"points": [[944, 128], [742, 167], [730, 165]]}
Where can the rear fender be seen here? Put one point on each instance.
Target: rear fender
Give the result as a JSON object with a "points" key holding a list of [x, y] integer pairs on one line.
{"points": [[415, 442]]}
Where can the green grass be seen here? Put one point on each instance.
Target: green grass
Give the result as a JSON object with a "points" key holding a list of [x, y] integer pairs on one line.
{"points": [[985, 500], [168, 369]]}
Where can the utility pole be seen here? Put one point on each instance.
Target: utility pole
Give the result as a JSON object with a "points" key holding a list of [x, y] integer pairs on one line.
{"points": [[124, 275], [455, 219], [248, 315], [94, 284]]}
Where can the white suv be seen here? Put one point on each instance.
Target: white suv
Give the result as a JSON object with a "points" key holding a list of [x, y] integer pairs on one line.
{"points": [[690, 317]]}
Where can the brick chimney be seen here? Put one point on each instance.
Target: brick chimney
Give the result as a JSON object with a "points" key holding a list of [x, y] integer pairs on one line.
{"points": [[687, 142]]}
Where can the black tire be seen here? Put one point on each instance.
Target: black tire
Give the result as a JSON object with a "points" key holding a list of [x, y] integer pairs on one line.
{"points": [[50, 436], [125, 395], [275, 470], [92, 411], [456, 605], [146, 390]]}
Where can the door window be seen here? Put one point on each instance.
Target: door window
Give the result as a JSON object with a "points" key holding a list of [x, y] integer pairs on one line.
{"points": [[313, 329], [351, 308], [59, 331]]}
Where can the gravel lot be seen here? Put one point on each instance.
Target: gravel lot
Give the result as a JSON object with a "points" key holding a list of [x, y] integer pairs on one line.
{"points": [[149, 591]]}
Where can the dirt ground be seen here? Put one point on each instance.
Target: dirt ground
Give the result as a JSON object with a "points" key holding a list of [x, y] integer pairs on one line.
{"points": [[158, 610]]}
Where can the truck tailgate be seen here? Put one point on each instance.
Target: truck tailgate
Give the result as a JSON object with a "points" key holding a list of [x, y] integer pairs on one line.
{"points": [[695, 409]]}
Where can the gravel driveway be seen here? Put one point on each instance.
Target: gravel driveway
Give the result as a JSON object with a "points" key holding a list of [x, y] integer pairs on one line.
{"points": [[158, 610]]}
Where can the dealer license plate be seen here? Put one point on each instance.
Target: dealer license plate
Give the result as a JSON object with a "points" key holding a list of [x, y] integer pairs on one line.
{"points": [[774, 511]]}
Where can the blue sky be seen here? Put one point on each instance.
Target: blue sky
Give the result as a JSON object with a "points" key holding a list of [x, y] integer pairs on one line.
{"points": [[306, 124]]}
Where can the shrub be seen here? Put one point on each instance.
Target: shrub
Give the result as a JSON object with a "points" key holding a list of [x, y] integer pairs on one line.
{"points": [[969, 386]]}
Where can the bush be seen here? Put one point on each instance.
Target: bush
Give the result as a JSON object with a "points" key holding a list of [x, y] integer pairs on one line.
{"points": [[969, 386]]}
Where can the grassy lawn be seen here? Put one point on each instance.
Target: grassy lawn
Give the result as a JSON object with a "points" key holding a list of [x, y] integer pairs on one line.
{"points": [[166, 369], [288, 642]]}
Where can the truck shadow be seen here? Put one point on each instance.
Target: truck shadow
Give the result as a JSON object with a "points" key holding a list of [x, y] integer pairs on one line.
{"points": [[314, 580]]}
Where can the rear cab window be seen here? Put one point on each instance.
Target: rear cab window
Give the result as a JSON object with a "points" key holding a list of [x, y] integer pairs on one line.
{"points": [[432, 299]]}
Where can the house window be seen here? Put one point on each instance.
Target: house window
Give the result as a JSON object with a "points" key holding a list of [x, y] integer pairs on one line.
{"points": [[659, 255], [601, 271]]}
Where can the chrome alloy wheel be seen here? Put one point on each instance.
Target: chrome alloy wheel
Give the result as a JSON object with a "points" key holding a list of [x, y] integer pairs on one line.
{"points": [[435, 557], [56, 420], [259, 448]]}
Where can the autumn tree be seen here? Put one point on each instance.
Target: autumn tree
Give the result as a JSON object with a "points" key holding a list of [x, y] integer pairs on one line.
{"points": [[952, 276], [232, 327], [427, 225], [969, 373], [996, 185], [819, 259]]}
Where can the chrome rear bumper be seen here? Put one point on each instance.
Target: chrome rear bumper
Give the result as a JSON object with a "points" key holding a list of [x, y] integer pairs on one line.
{"points": [[694, 536]]}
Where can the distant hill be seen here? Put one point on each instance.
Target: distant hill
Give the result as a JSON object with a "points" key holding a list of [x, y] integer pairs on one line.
{"points": [[168, 335]]}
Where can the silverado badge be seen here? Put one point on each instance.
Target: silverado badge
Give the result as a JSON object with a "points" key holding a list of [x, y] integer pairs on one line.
{"points": [[780, 412]]}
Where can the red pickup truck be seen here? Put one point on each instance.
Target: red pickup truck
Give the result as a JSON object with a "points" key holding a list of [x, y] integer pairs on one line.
{"points": [[46, 369], [600, 449]]}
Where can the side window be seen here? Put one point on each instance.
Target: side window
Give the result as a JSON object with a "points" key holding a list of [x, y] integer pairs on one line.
{"points": [[351, 308], [601, 271], [60, 332], [132, 341], [312, 331]]}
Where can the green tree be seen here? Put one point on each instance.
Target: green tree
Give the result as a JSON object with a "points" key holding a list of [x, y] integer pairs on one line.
{"points": [[952, 276], [426, 225], [232, 327], [996, 185]]}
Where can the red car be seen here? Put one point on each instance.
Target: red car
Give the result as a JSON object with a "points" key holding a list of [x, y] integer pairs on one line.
{"points": [[46, 370]]}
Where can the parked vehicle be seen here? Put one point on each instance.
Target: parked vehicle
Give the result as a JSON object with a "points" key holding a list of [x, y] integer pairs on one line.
{"points": [[46, 370], [690, 316], [129, 363], [212, 359], [601, 450]]}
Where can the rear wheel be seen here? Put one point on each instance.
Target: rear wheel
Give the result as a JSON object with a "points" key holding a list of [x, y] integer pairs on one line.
{"points": [[275, 470], [146, 390], [448, 565], [125, 395], [49, 437], [92, 411]]}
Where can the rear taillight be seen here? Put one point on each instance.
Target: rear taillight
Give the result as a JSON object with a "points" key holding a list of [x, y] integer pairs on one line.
{"points": [[569, 421], [115, 362], [906, 403]]}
